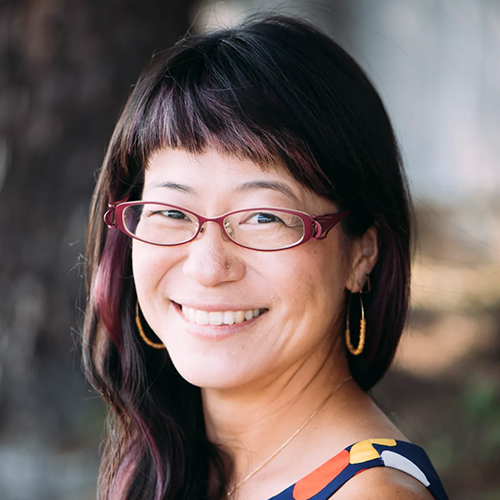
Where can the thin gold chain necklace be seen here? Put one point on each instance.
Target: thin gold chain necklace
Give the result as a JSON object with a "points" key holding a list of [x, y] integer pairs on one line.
{"points": [[268, 459]]}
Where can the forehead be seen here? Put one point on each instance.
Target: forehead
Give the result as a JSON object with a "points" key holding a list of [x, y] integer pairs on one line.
{"points": [[210, 164], [212, 174]]}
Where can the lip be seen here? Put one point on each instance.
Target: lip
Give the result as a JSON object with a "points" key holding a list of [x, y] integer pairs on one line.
{"points": [[219, 307], [215, 332]]}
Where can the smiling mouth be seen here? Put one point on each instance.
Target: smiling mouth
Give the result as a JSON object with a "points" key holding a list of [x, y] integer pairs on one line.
{"points": [[217, 318]]}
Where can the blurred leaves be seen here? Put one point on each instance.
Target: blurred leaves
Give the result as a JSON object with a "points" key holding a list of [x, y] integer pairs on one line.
{"points": [[481, 399]]}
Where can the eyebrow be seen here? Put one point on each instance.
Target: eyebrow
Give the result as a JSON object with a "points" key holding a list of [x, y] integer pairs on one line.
{"points": [[175, 186], [274, 185], [245, 187]]}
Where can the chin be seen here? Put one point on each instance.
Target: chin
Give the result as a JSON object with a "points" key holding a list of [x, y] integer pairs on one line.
{"points": [[204, 372]]}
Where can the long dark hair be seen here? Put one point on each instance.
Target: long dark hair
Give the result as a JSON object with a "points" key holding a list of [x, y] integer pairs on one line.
{"points": [[275, 91]]}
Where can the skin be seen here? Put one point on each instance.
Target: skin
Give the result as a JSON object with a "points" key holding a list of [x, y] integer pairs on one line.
{"points": [[263, 378]]}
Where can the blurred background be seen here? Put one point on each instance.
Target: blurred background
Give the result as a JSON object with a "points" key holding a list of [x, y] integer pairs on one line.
{"points": [[66, 67]]}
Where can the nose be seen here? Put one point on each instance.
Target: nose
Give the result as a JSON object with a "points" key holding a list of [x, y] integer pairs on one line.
{"points": [[211, 260]]}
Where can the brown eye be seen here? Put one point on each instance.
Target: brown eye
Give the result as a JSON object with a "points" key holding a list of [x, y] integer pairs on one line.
{"points": [[171, 214], [263, 218]]}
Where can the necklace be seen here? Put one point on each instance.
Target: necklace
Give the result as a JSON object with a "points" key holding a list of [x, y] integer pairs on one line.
{"points": [[268, 459]]}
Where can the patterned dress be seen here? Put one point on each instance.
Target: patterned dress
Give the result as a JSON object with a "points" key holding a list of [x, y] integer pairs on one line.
{"points": [[323, 482]]}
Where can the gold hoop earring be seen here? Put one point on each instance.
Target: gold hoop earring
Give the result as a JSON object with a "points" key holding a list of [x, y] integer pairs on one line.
{"points": [[154, 345], [362, 329]]}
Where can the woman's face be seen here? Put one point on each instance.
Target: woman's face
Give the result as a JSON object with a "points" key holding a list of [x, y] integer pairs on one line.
{"points": [[296, 294]]}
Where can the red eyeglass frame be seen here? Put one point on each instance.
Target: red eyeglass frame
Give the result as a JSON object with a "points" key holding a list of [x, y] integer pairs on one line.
{"points": [[315, 226]]}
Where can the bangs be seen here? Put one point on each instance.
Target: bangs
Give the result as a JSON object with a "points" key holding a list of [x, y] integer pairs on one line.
{"points": [[221, 96]]}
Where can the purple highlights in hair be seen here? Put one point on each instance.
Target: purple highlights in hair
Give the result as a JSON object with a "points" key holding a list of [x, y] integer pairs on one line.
{"points": [[252, 92], [108, 285]]}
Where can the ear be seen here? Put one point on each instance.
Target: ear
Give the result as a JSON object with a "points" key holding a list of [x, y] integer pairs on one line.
{"points": [[363, 258]]}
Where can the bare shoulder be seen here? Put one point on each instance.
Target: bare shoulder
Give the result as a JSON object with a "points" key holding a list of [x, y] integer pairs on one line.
{"points": [[383, 483]]}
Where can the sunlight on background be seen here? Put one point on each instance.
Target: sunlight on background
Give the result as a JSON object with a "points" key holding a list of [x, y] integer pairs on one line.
{"points": [[437, 68]]}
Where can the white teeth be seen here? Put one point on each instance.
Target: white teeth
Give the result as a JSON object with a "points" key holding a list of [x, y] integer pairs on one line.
{"points": [[202, 317], [215, 318], [229, 318], [218, 317], [191, 314]]}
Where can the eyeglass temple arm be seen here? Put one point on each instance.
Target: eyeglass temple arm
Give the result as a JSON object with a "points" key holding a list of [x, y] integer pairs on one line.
{"points": [[110, 215], [324, 223]]}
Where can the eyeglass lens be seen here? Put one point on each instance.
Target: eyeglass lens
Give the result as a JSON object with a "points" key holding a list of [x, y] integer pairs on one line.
{"points": [[260, 229]]}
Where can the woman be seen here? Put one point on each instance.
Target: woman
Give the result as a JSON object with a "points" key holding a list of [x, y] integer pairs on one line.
{"points": [[249, 277]]}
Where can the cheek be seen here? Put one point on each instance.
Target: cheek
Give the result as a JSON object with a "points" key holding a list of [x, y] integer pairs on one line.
{"points": [[149, 266], [312, 281], [141, 268], [330, 276]]}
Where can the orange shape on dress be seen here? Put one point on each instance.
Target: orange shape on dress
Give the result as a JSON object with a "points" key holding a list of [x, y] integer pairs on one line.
{"points": [[314, 482]]}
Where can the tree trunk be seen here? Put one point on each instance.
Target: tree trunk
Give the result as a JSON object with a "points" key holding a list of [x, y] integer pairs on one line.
{"points": [[65, 70]]}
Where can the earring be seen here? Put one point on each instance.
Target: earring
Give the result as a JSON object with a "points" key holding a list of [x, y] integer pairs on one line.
{"points": [[362, 329], [154, 345]]}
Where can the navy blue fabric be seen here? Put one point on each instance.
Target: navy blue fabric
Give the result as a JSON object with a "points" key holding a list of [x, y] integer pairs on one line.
{"points": [[408, 450]]}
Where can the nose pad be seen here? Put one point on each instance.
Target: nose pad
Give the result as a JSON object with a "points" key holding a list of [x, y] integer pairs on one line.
{"points": [[224, 235], [228, 229]]}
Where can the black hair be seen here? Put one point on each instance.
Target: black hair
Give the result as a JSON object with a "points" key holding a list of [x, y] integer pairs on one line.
{"points": [[275, 91]]}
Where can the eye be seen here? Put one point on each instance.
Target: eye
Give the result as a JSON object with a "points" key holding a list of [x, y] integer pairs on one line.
{"points": [[170, 214], [263, 218]]}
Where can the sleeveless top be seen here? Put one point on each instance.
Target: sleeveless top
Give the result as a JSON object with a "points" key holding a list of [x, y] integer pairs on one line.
{"points": [[323, 482]]}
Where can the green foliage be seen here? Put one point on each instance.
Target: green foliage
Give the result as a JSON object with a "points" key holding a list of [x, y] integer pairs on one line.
{"points": [[480, 398]]}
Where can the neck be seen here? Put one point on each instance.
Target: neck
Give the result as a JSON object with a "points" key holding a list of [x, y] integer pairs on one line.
{"points": [[253, 422]]}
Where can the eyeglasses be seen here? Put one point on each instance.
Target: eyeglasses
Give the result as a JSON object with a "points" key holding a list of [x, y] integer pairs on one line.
{"points": [[265, 229]]}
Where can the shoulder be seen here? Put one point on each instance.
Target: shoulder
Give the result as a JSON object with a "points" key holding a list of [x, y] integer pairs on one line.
{"points": [[383, 483]]}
